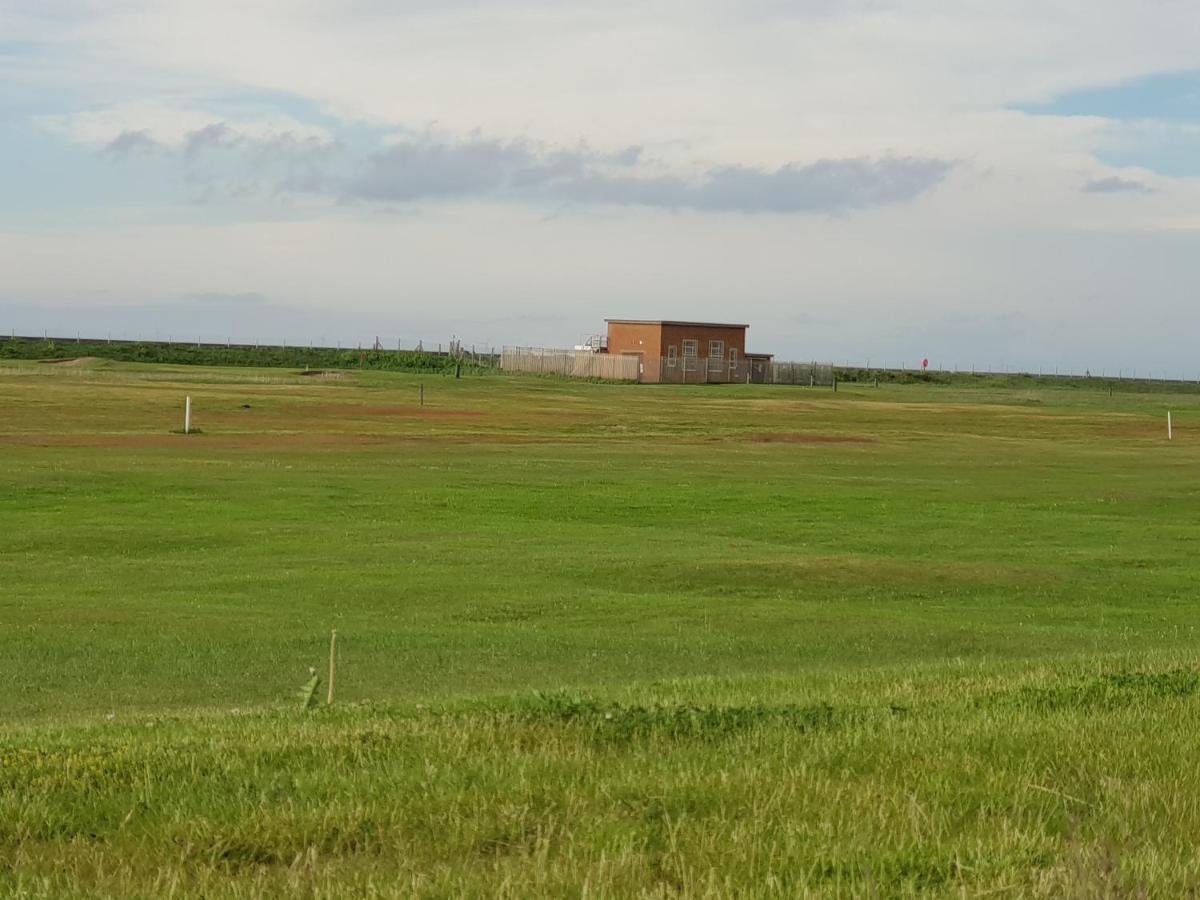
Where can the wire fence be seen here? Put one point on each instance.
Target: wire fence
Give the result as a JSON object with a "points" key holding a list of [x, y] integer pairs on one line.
{"points": [[588, 363], [121, 344], [457, 348]]}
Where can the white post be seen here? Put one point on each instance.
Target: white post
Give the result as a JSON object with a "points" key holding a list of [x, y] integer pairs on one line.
{"points": [[332, 665], [1170, 435], [187, 416]]}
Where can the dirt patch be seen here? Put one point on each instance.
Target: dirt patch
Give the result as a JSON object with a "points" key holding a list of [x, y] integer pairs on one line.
{"points": [[279, 442], [782, 437], [73, 362], [352, 410], [1149, 430], [324, 375]]}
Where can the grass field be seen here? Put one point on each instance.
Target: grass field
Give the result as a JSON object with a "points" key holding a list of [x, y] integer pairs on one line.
{"points": [[595, 640]]}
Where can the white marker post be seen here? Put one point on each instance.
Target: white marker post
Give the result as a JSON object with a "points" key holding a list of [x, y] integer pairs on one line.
{"points": [[187, 416], [1170, 432]]}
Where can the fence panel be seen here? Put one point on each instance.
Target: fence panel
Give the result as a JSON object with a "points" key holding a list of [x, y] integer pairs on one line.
{"points": [[665, 370], [691, 370], [570, 363], [802, 373]]}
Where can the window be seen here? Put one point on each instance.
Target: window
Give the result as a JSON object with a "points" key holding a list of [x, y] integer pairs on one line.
{"points": [[672, 352], [716, 356], [733, 359], [691, 349]]}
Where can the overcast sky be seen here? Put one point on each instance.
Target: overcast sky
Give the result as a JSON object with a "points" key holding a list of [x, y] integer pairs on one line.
{"points": [[979, 183]]}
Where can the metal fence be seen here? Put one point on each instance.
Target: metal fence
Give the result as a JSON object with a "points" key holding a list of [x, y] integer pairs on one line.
{"points": [[751, 370], [693, 370]]}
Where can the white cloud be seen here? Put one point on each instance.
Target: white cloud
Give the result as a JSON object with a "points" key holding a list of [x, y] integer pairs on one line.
{"points": [[175, 127], [761, 87]]}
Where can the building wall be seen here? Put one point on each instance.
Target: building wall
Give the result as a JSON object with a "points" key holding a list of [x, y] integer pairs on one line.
{"points": [[759, 367], [654, 341], [675, 335], [632, 337]]}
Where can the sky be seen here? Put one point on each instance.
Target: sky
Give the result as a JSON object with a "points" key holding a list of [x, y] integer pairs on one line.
{"points": [[991, 185]]}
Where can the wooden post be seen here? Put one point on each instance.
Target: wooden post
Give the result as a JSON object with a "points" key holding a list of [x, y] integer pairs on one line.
{"points": [[332, 665], [187, 416], [1170, 433], [422, 394]]}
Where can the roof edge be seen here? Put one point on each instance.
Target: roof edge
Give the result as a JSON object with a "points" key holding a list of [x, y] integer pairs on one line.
{"points": [[672, 322]]}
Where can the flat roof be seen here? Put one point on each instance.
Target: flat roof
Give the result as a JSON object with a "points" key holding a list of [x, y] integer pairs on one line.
{"points": [[750, 355], [669, 322]]}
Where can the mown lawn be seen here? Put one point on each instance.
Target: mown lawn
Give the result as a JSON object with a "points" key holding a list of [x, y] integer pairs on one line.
{"points": [[595, 639]]}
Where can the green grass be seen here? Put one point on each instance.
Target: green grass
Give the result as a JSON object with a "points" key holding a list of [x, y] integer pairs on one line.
{"points": [[600, 640]]}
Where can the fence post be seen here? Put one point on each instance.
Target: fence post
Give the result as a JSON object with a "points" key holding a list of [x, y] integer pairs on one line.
{"points": [[332, 665]]}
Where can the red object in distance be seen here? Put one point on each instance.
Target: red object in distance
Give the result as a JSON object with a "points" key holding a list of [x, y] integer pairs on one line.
{"points": [[924, 364]]}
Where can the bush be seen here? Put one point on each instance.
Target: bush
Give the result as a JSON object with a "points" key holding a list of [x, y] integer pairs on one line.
{"points": [[275, 357]]}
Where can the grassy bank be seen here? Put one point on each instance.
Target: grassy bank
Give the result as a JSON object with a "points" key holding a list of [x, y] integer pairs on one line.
{"points": [[239, 356]]}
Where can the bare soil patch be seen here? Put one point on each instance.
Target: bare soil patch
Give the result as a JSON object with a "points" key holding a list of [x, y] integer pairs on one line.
{"points": [[412, 412], [71, 362], [323, 374], [782, 437], [276, 441], [1149, 430]]}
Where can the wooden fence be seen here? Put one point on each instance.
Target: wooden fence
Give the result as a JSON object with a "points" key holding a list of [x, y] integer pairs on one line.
{"points": [[571, 363]]}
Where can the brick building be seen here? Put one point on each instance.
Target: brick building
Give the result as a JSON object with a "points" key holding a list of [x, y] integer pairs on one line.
{"points": [[683, 351]]}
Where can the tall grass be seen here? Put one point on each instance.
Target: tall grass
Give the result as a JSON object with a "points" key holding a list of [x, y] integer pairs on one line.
{"points": [[917, 783]]}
